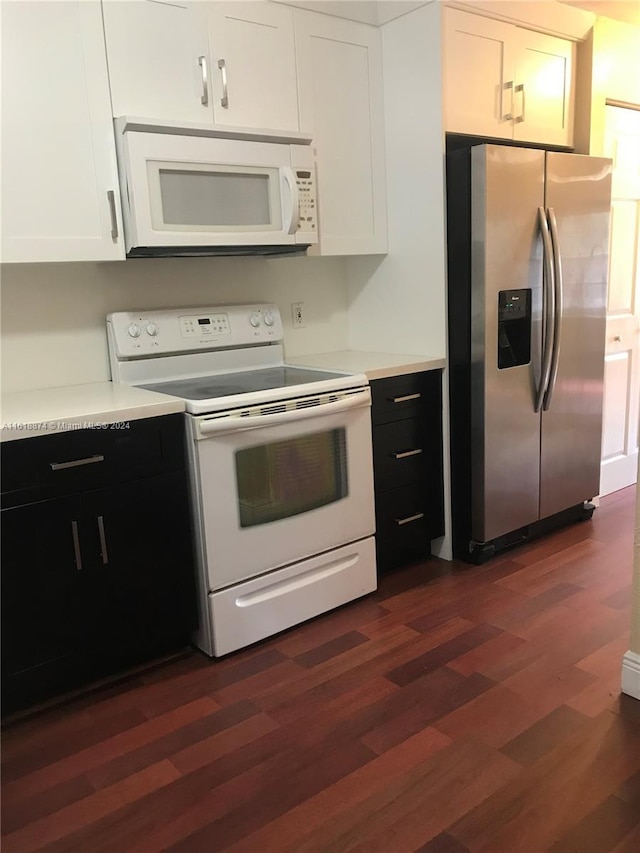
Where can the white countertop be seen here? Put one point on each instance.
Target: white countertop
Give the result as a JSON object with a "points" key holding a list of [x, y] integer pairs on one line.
{"points": [[375, 365], [25, 414]]}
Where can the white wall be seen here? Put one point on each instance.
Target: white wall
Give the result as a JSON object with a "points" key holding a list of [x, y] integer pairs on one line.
{"points": [[53, 315], [397, 303]]}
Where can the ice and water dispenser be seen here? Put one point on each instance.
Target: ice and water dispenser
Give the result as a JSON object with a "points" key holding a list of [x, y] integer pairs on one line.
{"points": [[514, 328]]}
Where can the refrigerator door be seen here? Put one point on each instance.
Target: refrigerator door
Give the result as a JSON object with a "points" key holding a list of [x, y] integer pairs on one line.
{"points": [[578, 193], [506, 271]]}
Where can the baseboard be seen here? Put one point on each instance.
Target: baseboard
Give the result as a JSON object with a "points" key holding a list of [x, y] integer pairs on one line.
{"points": [[631, 674]]}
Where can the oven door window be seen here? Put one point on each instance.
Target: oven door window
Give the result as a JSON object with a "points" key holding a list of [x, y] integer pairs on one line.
{"points": [[286, 478], [203, 197]]}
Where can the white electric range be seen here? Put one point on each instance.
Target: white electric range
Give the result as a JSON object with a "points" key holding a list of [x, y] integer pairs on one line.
{"points": [[280, 465]]}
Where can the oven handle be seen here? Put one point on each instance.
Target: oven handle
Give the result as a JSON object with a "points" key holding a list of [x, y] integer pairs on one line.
{"points": [[215, 426]]}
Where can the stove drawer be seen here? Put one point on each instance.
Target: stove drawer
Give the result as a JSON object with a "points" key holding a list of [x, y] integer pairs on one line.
{"points": [[258, 608], [45, 466]]}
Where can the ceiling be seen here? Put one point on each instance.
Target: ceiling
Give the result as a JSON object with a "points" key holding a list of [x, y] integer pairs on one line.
{"points": [[621, 10]]}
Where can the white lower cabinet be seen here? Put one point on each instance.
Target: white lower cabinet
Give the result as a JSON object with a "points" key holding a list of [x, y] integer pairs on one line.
{"points": [[341, 104], [60, 198]]}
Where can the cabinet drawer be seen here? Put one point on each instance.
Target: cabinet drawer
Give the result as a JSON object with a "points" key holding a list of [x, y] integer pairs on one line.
{"points": [[400, 453], [404, 519], [401, 510], [403, 396], [45, 466]]}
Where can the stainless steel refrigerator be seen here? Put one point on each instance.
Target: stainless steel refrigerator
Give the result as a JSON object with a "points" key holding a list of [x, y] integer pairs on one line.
{"points": [[528, 248]]}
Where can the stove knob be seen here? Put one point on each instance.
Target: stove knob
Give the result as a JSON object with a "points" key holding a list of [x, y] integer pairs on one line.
{"points": [[152, 329], [269, 319], [254, 319], [134, 330]]}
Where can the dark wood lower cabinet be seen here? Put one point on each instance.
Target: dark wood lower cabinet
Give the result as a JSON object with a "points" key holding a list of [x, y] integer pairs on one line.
{"points": [[98, 580], [407, 458]]}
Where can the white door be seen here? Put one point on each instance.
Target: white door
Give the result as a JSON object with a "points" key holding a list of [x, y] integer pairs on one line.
{"points": [[543, 94], [253, 65], [340, 83], [622, 353], [60, 197], [478, 75], [158, 56]]}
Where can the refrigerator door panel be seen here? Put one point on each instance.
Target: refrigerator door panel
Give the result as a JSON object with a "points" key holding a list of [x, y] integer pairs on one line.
{"points": [[506, 258], [578, 192]]}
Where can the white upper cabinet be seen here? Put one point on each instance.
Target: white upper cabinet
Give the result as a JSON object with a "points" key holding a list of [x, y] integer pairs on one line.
{"points": [[543, 91], [158, 56], [341, 105], [253, 65], [60, 197], [507, 82], [228, 63]]}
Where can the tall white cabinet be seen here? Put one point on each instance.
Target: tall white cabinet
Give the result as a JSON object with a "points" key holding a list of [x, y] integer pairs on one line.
{"points": [[60, 199], [340, 95]]}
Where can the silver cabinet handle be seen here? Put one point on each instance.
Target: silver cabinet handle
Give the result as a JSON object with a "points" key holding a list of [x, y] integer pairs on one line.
{"points": [[548, 307], [557, 309], [405, 453], [224, 100], [409, 519], [204, 98], [520, 88], [103, 541], [76, 545], [506, 116], [75, 463], [111, 197], [405, 398]]}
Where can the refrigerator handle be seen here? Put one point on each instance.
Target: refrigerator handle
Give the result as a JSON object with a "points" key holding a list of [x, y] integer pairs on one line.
{"points": [[558, 307], [549, 308]]}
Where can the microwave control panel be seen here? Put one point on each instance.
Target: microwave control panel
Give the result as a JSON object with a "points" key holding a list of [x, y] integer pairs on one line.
{"points": [[307, 200]]}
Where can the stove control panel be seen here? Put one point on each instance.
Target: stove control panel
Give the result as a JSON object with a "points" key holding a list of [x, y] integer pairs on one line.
{"points": [[140, 334]]}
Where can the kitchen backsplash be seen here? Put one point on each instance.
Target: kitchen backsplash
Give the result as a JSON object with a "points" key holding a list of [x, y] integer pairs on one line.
{"points": [[53, 315]]}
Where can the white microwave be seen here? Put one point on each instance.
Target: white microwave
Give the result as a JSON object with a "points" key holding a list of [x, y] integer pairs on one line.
{"points": [[200, 191]]}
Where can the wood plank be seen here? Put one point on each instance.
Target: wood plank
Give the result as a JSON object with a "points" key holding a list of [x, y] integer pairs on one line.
{"points": [[283, 834], [564, 786], [441, 655], [89, 809], [106, 750], [604, 826], [544, 735]]}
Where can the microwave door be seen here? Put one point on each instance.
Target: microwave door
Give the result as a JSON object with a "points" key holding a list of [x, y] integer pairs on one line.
{"points": [[199, 192]]}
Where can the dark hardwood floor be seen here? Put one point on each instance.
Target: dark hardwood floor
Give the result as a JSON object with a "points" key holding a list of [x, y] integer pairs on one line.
{"points": [[458, 709]]}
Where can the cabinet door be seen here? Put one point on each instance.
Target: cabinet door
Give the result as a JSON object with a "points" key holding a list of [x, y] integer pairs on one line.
{"points": [[478, 75], [44, 599], [340, 93], [139, 541], [58, 149], [253, 65], [543, 91], [158, 55]]}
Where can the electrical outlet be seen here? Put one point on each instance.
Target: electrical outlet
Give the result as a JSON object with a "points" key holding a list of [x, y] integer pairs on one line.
{"points": [[297, 314]]}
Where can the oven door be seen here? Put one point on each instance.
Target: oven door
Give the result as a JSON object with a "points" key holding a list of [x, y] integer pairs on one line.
{"points": [[277, 487], [197, 191]]}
